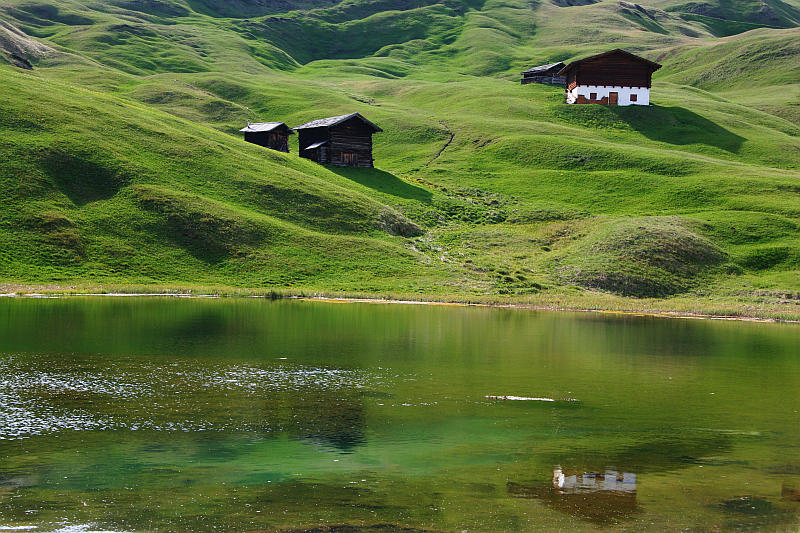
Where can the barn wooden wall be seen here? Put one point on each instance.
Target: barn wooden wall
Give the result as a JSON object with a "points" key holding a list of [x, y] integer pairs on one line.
{"points": [[269, 139], [612, 70], [352, 137]]}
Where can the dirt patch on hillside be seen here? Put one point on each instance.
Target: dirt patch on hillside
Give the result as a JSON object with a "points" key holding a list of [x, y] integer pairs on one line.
{"points": [[19, 49]]}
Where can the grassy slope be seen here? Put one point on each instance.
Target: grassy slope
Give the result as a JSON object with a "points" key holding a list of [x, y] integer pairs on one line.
{"points": [[143, 180], [135, 195], [759, 69]]}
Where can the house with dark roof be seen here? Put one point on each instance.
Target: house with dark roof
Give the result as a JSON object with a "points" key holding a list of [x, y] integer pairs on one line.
{"points": [[544, 74], [274, 135], [344, 141], [616, 77]]}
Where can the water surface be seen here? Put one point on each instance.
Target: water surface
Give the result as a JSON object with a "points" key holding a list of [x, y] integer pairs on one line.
{"points": [[154, 414]]}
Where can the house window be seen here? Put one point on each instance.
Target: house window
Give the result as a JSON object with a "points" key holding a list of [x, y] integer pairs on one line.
{"points": [[592, 96], [634, 97]]}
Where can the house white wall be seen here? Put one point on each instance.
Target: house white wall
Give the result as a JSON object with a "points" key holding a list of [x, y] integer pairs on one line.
{"points": [[642, 93]]}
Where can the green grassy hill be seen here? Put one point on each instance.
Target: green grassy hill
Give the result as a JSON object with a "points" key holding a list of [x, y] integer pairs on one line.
{"points": [[123, 166]]}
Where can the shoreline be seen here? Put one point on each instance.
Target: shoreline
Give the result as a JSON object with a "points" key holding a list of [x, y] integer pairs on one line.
{"points": [[184, 294], [532, 307]]}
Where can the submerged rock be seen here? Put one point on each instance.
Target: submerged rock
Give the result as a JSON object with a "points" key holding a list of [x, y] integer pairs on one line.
{"points": [[346, 528], [750, 505]]}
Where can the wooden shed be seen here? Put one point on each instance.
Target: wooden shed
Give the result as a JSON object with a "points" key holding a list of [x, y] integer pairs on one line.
{"points": [[274, 135], [344, 141], [544, 74], [616, 77]]}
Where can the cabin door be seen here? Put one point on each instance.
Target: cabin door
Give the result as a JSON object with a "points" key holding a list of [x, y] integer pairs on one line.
{"points": [[349, 159], [613, 98]]}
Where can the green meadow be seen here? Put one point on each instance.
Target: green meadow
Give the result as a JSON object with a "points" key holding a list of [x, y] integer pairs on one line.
{"points": [[122, 169]]}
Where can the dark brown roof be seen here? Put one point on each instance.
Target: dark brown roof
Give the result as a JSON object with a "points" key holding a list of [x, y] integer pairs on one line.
{"points": [[264, 126], [332, 121], [617, 51], [544, 68]]}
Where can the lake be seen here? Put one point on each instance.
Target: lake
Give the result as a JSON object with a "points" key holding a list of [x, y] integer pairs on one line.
{"points": [[167, 414]]}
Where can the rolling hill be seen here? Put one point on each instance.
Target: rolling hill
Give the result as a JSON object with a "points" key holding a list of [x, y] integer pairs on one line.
{"points": [[122, 166]]}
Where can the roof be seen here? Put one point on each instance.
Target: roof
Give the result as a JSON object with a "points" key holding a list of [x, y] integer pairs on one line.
{"points": [[315, 145], [332, 121], [655, 66], [544, 68], [264, 126]]}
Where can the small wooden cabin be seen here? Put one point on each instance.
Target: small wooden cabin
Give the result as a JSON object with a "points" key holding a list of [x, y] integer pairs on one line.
{"points": [[611, 78], [544, 74], [344, 141], [274, 135]]}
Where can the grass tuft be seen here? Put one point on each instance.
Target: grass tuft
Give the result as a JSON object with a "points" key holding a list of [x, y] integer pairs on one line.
{"points": [[641, 257]]}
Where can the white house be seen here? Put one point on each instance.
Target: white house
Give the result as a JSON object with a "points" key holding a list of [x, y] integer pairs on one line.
{"points": [[611, 78]]}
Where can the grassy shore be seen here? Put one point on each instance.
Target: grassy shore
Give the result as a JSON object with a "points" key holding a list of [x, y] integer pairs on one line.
{"points": [[682, 307]]}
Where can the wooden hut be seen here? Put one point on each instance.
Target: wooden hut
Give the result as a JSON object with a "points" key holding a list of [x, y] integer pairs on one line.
{"points": [[274, 135], [544, 74], [611, 78], [344, 141]]}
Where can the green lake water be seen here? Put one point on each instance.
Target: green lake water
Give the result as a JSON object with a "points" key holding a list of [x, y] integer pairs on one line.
{"points": [[158, 414]]}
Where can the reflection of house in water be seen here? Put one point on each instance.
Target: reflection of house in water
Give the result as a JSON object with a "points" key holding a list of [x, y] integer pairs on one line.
{"points": [[332, 417], [337, 422], [790, 493], [586, 483], [601, 498]]}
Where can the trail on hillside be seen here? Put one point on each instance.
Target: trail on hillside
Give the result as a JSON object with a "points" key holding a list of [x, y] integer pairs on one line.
{"points": [[450, 140]]}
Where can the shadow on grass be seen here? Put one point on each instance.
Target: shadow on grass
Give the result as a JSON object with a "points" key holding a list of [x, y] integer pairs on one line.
{"points": [[677, 125], [384, 182], [81, 179]]}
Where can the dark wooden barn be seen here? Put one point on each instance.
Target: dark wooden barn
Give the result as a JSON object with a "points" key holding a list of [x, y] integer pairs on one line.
{"points": [[544, 74], [344, 141], [274, 135], [616, 77]]}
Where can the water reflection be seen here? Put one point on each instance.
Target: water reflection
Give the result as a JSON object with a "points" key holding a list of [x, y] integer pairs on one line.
{"points": [[156, 415], [652, 453], [320, 405], [338, 422], [593, 482], [790, 493], [599, 497]]}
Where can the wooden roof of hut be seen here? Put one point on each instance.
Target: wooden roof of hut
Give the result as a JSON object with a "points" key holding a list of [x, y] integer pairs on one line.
{"points": [[618, 52], [544, 69], [332, 121], [261, 127]]}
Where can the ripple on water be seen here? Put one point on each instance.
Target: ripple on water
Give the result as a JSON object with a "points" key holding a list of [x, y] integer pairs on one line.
{"points": [[81, 528], [36, 399]]}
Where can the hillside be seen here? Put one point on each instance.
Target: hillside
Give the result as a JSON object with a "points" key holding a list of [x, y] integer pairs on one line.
{"points": [[123, 167]]}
